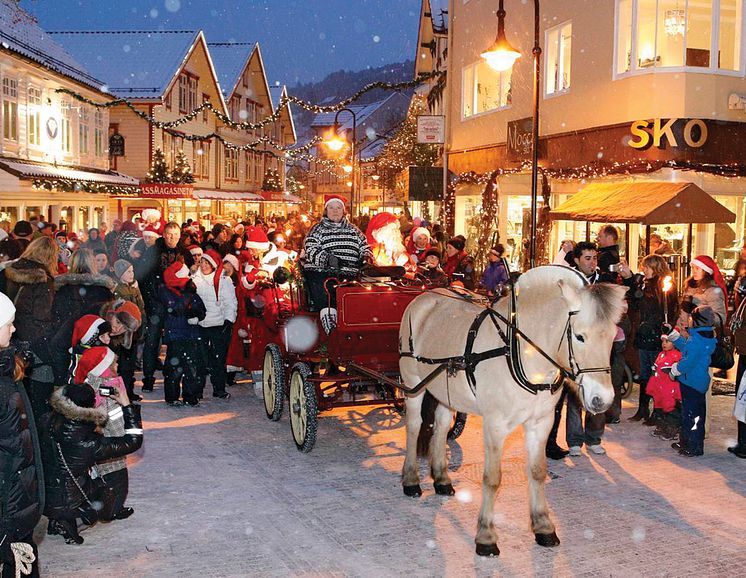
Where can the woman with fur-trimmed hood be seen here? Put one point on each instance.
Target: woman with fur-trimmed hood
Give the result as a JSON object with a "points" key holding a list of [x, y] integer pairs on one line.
{"points": [[72, 445]]}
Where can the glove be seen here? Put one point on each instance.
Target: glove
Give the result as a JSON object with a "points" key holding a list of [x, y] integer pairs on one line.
{"points": [[675, 370], [673, 335], [666, 328], [333, 262]]}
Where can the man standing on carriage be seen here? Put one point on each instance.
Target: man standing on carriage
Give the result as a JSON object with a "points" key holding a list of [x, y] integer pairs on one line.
{"points": [[334, 249]]}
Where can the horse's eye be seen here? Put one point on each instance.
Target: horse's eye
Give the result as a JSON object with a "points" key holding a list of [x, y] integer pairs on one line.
{"points": [[580, 338]]}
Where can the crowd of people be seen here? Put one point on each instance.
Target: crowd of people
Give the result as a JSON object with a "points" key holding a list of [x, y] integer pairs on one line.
{"points": [[79, 316]]}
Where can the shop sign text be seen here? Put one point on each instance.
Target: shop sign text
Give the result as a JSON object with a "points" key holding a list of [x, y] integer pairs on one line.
{"points": [[668, 132], [166, 191]]}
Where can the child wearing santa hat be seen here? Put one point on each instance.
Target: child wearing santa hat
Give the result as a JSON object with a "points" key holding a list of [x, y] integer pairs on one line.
{"points": [[184, 310]]}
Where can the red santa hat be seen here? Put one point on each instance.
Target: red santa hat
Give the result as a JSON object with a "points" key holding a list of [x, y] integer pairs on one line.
{"points": [[195, 250], [213, 257], [257, 239], [708, 265], [176, 275], [417, 231], [148, 214], [379, 222], [233, 260], [151, 231], [87, 328], [94, 361], [331, 198]]}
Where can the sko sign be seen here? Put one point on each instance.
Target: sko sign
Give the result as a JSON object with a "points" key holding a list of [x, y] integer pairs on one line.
{"points": [[671, 132]]}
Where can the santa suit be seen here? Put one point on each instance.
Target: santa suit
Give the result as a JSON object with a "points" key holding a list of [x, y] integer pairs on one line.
{"points": [[664, 390]]}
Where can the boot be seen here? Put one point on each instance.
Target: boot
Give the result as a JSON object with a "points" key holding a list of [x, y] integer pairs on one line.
{"points": [[230, 378], [328, 317], [643, 410]]}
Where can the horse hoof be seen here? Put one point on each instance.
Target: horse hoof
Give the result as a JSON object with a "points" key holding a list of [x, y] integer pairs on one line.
{"points": [[413, 491], [547, 540], [444, 489], [490, 550]]}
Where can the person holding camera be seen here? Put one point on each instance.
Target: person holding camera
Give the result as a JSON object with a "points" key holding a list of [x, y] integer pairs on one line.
{"points": [[653, 306], [333, 249]]}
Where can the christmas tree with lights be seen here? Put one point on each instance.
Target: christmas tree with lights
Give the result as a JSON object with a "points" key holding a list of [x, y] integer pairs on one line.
{"points": [[272, 181], [182, 173], [158, 172]]}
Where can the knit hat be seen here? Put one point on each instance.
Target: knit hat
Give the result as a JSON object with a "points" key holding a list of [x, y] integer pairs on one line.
{"points": [[10, 248], [332, 198], [213, 257], [87, 329], [458, 242], [432, 252], [257, 239], [151, 231], [709, 265], [417, 231], [81, 394], [217, 229], [233, 260], [705, 316], [128, 314], [121, 266], [23, 229], [176, 275], [7, 310], [379, 221], [94, 361]]}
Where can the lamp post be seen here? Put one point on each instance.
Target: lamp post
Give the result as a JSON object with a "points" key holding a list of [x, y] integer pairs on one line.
{"points": [[336, 144], [501, 56]]}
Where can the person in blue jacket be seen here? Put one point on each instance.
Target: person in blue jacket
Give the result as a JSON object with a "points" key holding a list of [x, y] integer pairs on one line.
{"points": [[496, 274], [692, 371]]}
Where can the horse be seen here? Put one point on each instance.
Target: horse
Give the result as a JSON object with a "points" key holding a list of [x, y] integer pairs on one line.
{"points": [[553, 327]]}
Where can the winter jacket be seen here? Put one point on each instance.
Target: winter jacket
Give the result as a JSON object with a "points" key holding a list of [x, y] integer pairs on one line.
{"points": [[132, 294], [608, 256], [218, 310], [180, 308], [31, 288], [646, 297], [342, 240], [696, 353], [150, 267], [460, 267], [711, 297], [494, 276], [74, 429], [21, 476], [664, 390]]}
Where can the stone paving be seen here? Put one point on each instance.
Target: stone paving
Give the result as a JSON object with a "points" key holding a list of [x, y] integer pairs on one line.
{"points": [[219, 490]]}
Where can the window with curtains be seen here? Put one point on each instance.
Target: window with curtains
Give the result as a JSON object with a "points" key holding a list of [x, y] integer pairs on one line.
{"points": [[484, 89], [84, 130], [10, 109], [66, 127], [701, 35], [33, 126], [558, 58], [231, 163]]}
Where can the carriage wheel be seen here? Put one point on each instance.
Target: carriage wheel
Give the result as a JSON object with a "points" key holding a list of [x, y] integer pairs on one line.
{"points": [[459, 423], [629, 381], [273, 381], [303, 408]]}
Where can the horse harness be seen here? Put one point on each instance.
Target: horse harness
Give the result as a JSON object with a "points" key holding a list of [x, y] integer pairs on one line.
{"points": [[469, 360]]}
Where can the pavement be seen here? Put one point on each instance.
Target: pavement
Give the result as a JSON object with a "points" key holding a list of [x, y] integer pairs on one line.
{"points": [[220, 490]]}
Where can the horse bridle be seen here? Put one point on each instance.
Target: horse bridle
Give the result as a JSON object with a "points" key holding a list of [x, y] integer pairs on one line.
{"points": [[575, 370]]}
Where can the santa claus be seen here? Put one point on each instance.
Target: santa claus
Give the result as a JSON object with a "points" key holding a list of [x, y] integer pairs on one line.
{"points": [[385, 240]]}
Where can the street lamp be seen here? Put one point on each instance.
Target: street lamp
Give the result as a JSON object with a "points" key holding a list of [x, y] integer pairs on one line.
{"points": [[501, 56], [336, 143]]}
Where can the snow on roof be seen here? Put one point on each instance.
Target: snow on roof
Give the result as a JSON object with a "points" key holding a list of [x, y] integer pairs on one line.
{"points": [[275, 93], [26, 170], [372, 150], [229, 59], [20, 33], [134, 64], [362, 112], [439, 16]]}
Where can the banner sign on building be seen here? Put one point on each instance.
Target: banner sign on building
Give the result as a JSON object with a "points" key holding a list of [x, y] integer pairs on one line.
{"points": [[431, 129], [520, 135], [425, 183], [166, 191]]}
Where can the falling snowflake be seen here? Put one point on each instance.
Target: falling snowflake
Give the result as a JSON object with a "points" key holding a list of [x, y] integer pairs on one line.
{"points": [[173, 5], [154, 13], [464, 496], [588, 534], [638, 535], [430, 544], [376, 38], [301, 334]]}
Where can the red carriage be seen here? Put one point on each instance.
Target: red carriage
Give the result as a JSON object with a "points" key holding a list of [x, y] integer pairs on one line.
{"points": [[356, 364]]}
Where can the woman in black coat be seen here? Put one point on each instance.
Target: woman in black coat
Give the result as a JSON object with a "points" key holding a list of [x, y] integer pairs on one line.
{"points": [[30, 285], [79, 292], [21, 476], [71, 446]]}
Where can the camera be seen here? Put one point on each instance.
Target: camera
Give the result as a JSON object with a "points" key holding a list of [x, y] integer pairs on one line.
{"points": [[106, 390], [614, 267]]}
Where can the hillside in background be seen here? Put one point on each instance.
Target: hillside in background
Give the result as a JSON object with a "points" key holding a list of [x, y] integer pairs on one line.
{"points": [[342, 84]]}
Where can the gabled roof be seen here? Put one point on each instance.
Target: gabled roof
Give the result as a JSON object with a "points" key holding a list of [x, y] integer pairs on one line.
{"points": [[20, 33], [134, 64], [230, 59], [362, 112], [276, 93]]}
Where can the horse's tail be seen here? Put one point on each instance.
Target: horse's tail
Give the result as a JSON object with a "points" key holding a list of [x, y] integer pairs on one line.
{"points": [[429, 404]]}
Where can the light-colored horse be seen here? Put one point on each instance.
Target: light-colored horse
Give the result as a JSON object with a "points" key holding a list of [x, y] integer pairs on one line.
{"points": [[436, 325]]}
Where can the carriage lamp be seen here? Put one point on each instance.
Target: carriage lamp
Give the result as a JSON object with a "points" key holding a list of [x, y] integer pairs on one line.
{"points": [[333, 140], [501, 54]]}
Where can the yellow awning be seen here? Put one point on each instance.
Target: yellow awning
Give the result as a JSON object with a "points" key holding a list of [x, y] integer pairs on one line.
{"points": [[647, 203]]}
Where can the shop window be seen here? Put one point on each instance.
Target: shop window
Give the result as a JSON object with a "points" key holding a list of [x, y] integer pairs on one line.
{"points": [[485, 89], [65, 127], [83, 130], [659, 34], [34, 113], [10, 109], [98, 132], [559, 55]]}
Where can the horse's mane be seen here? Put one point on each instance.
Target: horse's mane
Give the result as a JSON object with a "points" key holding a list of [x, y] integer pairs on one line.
{"points": [[606, 300]]}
